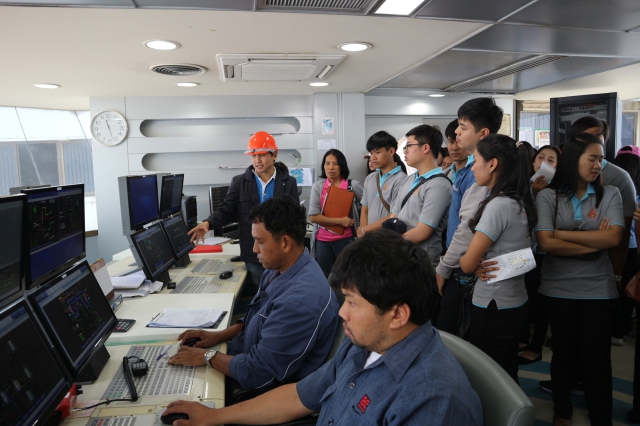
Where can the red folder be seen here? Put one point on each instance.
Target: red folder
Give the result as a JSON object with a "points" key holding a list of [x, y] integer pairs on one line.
{"points": [[203, 248], [338, 204]]}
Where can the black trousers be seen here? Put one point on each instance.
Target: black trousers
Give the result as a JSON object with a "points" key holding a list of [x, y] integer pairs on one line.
{"points": [[622, 316], [536, 310], [450, 306], [581, 331], [496, 332]]}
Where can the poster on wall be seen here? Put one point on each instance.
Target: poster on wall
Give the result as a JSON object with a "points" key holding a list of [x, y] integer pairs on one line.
{"points": [[526, 134], [327, 126], [505, 127], [326, 144], [302, 175], [542, 138]]}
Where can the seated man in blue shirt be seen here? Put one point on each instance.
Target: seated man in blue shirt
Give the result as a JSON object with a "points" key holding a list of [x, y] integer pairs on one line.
{"points": [[290, 323], [394, 369]]}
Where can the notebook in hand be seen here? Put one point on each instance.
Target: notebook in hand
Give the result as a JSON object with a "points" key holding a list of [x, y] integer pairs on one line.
{"points": [[338, 204]]}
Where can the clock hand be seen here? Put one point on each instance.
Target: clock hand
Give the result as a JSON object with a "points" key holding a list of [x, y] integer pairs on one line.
{"points": [[110, 132]]}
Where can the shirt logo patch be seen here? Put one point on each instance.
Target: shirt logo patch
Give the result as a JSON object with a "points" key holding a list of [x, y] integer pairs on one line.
{"points": [[592, 215], [384, 188], [364, 403]]}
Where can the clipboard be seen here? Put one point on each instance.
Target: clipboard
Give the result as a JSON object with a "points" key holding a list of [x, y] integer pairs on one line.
{"points": [[337, 204]]}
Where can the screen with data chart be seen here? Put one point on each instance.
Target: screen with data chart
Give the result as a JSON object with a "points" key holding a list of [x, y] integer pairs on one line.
{"points": [[11, 248], [32, 378], [75, 312], [153, 249], [176, 231], [55, 226]]}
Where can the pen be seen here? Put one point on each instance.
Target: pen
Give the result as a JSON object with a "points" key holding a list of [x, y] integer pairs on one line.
{"points": [[166, 349]]}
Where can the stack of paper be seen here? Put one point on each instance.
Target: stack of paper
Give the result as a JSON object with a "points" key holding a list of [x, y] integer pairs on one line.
{"points": [[187, 318], [128, 282], [135, 285]]}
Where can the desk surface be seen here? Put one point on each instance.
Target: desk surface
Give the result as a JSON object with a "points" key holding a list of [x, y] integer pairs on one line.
{"points": [[142, 309]]}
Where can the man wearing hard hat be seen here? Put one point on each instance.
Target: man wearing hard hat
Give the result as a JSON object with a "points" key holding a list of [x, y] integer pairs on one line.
{"points": [[262, 180]]}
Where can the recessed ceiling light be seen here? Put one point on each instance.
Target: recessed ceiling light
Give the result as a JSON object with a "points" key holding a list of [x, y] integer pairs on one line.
{"points": [[437, 95], [398, 7], [161, 44], [47, 86], [355, 46], [319, 84], [187, 84]]}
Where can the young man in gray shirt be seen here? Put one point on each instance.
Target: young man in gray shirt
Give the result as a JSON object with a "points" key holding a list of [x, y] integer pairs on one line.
{"points": [[477, 119], [381, 187]]}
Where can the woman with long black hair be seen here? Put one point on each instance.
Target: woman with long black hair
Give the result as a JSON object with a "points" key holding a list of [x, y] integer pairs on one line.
{"points": [[579, 220], [503, 224]]}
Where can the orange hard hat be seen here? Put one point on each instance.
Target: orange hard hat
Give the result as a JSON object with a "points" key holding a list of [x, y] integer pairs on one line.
{"points": [[261, 143]]}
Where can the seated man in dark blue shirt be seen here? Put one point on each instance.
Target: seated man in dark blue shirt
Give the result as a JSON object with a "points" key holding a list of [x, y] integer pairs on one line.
{"points": [[394, 369], [290, 323]]}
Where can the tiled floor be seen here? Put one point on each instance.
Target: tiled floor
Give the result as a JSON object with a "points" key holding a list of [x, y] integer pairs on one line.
{"points": [[622, 363]]}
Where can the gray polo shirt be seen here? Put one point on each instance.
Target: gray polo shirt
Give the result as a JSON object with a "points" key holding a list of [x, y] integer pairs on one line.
{"points": [[390, 183], [428, 204], [614, 175], [590, 277], [505, 222]]}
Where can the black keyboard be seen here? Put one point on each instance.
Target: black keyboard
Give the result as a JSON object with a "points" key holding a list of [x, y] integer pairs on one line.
{"points": [[124, 325], [234, 235]]}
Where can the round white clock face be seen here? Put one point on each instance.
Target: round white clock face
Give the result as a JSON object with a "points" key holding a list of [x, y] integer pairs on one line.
{"points": [[109, 128]]}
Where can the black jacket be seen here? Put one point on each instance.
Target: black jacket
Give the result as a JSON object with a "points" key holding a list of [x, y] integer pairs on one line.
{"points": [[241, 196]]}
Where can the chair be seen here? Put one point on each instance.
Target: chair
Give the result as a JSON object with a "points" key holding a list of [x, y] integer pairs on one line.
{"points": [[503, 402]]}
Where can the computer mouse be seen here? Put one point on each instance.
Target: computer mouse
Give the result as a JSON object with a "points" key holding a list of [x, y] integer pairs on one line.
{"points": [[191, 341], [170, 418], [226, 275], [235, 259]]}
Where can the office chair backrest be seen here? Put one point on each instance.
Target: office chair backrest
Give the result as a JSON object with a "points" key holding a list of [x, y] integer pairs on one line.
{"points": [[503, 402]]}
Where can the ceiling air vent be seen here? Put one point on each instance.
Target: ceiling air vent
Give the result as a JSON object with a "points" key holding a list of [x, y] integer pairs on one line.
{"points": [[353, 5], [179, 70], [502, 72], [276, 67]]}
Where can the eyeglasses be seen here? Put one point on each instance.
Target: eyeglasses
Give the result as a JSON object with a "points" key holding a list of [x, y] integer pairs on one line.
{"points": [[406, 147]]}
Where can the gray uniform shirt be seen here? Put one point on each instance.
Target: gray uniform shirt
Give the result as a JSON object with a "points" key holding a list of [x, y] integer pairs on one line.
{"points": [[505, 222], [390, 185], [463, 235], [590, 277], [614, 175], [428, 204]]}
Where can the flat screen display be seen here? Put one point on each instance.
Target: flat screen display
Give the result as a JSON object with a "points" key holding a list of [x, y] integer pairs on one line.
{"points": [[176, 231], [171, 194], [12, 248], [154, 250], [143, 199]]}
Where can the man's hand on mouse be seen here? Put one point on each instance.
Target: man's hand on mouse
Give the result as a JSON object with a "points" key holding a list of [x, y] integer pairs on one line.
{"points": [[198, 413], [189, 356], [207, 338]]}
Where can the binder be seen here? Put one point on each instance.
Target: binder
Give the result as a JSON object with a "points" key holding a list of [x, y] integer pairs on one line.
{"points": [[337, 204], [204, 248]]}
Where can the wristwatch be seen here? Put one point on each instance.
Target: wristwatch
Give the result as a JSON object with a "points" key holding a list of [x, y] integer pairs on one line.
{"points": [[208, 355]]}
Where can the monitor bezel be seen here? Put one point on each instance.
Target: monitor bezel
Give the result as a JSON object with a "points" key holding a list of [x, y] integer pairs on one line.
{"points": [[43, 416], [177, 256], [96, 343], [174, 209], [31, 283], [137, 226], [145, 266], [12, 297]]}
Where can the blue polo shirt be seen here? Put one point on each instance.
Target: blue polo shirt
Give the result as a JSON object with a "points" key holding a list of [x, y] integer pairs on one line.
{"points": [[417, 381], [462, 180]]}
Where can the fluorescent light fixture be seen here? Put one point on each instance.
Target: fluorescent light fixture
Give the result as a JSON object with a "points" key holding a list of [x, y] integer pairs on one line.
{"points": [[398, 7], [161, 44], [355, 46], [187, 84], [437, 95], [319, 84], [46, 86]]}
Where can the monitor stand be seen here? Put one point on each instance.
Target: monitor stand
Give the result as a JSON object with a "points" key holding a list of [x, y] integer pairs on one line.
{"points": [[90, 372], [183, 261], [164, 278]]}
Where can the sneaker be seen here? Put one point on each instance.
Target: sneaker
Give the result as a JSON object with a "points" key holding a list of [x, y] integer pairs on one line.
{"points": [[576, 389], [617, 341]]}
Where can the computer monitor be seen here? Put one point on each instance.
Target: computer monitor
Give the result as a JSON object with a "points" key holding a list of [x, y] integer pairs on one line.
{"points": [[141, 200], [152, 251], [55, 225], [18, 189], [216, 197], [12, 247], [170, 194], [176, 231], [78, 318], [33, 379]]}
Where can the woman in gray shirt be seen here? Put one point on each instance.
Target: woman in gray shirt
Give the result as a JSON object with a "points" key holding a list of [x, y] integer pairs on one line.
{"points": [[579, 220], [503, 224]]}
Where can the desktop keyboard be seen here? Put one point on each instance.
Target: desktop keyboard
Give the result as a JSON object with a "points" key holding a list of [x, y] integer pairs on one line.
{"points": [[212, 266], [234, 235], [197, 285]]}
